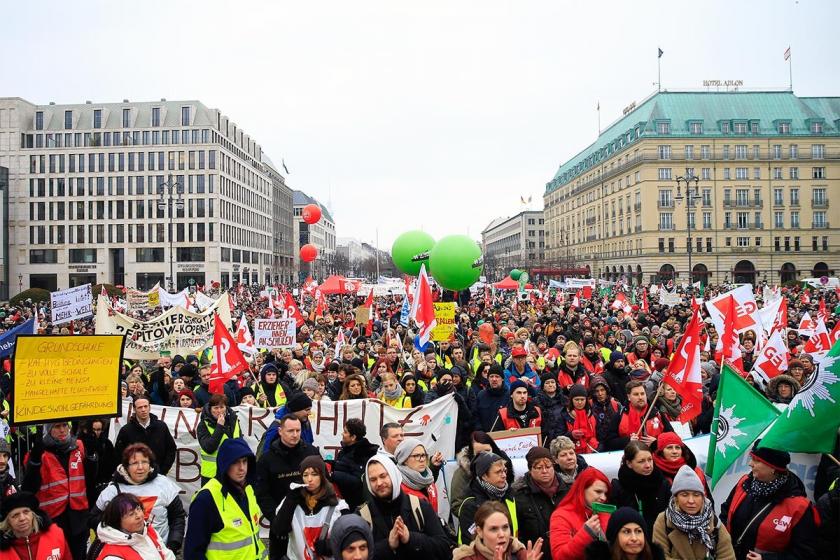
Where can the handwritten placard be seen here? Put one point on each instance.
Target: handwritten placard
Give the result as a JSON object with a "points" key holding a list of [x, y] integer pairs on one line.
{"points": [[445, 317], [71, 304], [516, 443], [274, 333], [65, 377]]}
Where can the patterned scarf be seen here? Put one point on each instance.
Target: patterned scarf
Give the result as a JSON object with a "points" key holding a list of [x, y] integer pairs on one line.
{"points": [[416, 480], [695, 526], [494, 492], [761, 489]]}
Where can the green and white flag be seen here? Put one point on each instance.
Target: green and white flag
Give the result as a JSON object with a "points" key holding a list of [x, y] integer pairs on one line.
{"points": [[813, 416], [741, 415]]}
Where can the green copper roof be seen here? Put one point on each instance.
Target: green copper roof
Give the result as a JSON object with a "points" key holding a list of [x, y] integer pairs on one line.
{"points": [[710, 110]]}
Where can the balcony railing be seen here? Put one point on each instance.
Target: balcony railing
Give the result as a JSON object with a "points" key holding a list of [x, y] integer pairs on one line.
{"points": [[666, 227], [823, 203], [664, 204], [820, 225]]}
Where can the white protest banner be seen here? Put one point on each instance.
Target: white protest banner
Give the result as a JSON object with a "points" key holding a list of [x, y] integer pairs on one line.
{"points": [[177, 330], [274, 333], [574, 283], [669, 298], [71, 304], [135, 299], [434, 424], [516, 443], [203, 301], [173, 300]]}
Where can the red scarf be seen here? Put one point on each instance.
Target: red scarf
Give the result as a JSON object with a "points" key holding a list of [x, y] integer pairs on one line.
{"points": [[634, 417], [668, 468], [582, 423]]}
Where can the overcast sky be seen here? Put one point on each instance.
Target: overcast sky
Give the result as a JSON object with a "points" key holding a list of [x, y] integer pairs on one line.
{"points": [[405, 114]]}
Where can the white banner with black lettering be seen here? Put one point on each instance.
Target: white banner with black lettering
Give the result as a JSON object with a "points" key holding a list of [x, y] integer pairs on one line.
{"points": [[71, 304]]}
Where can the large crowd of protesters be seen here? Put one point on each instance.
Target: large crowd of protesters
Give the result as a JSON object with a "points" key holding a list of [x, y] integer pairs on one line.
{"points": [[590, 378]]}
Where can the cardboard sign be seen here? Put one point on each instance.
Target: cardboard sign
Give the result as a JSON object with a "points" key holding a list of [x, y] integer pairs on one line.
{"points": [[71, 304], [445, 317], [669, 298], [274, 333], [65, 378], [135, 299], [516, 443], [362, 315]]}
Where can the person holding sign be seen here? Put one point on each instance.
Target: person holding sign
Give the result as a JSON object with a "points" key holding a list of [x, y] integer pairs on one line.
{"points": [[58, 470]]}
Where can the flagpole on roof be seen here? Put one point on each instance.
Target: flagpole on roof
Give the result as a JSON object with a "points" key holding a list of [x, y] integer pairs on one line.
{"points": [[660, 52]]}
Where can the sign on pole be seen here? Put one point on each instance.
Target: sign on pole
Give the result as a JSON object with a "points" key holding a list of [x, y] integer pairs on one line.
{"points": [[274, 333], [445, 317], [66, 378], [71, 304]]}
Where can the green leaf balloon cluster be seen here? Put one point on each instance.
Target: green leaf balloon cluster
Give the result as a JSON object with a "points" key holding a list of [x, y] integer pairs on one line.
{"points": [[455, 261]]}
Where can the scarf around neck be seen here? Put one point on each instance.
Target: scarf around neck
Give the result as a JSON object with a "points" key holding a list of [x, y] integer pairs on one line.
{"points": [[395, 394], [668, 468], [549, 489], [494, 492], [51, 444], [416, 480], [635, 418], [761, 489]]}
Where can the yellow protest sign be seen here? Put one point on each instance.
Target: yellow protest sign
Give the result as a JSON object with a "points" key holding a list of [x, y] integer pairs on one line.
{"points": [[65, 377], [445, 317]]}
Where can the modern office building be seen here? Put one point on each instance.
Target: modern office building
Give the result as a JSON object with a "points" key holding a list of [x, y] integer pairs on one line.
{"points": [[138, 193], [320, 234], [516, 241], [761, 167], [282, 215], [4, 233]]}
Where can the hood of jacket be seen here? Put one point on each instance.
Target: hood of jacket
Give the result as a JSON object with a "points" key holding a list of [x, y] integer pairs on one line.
{"points": [[344, 527], [463, 459], [392, 470], [230, 451]]}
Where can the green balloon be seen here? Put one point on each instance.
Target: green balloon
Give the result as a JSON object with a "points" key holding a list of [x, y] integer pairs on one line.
{"points": [[455, 262], [515, 274], [409, 246]]}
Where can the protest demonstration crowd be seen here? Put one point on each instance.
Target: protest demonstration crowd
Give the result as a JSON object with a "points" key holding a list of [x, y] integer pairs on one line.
{"points": [[573, 412]]}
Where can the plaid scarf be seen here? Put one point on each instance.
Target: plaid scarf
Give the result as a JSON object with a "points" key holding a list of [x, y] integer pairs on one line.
{"points": [[494, 492], [694, 526], [761, 489]]}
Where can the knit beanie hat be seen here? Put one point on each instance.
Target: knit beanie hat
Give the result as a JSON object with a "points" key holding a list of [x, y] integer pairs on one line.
{"points": [[518, 384], [615, 356], [535, 454], [496, 369], [621, 517], [577, 390], [660, 364], [245, 391], [311, 384], [298, 402], [315, 462], [779, 460], [483, 461], [4, 447], [18, 500], [405, 448], [686, 480]]}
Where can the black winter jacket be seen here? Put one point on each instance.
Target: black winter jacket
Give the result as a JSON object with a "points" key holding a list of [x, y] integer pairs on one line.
{"points": [[424, 543], [600, 550], [157, 436], [649, 495], [276, 469], [349, 468], [552, 422], [534, 509]]}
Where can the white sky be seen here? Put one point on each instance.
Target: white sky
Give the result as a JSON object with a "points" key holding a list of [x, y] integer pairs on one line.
{"points": [[407, 114]]}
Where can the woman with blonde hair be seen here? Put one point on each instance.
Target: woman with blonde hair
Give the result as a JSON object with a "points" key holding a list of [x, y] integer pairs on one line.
{"points": [[392, 392]]}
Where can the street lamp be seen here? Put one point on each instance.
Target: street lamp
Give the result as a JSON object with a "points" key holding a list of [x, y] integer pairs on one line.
{"points": [[20, 282], [172, 196], [690, 197]]}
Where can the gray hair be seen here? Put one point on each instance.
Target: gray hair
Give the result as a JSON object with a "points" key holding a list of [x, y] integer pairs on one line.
{"points": [[560, 443]]}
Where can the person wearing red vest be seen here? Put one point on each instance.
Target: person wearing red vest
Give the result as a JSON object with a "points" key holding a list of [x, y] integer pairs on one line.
{"points": [[519, 413], [123, 533], [19, 538], [768, 513], [58, 470], [627, 426]]}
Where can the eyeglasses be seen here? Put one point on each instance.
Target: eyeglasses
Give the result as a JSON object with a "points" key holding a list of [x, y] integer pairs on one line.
{"points": [[139, 464], [542, 467], [419, 456]]}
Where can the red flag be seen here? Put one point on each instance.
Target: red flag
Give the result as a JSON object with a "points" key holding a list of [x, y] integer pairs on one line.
{"points": [[807, 325], [834, 334], [422, 308], [575, 301], [587, 292], [729, 348], [644, 300], [227, 358], [292, 310], [805, 298], [683, 372], [822, 313], [819, 342], [321, 307], [369, 305], [772, 360]]}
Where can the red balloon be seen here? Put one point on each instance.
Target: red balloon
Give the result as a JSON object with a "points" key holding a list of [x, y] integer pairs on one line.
{"points": [[485, 333], [311, 214], [308, 252]]}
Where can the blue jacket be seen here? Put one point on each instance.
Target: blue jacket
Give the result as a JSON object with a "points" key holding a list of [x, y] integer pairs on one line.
{"points": [[487, 407], [204, 517], [271, 433]]}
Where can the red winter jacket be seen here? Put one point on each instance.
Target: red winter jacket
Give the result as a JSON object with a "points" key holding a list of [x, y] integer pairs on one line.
{"points": [[567, 534]]}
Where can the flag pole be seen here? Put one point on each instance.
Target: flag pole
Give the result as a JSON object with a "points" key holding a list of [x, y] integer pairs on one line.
{"points": [[650, 408], [833, 458], [790, 69]]}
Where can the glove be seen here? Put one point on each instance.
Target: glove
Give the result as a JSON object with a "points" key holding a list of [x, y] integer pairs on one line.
{"points": [[37, 450]]}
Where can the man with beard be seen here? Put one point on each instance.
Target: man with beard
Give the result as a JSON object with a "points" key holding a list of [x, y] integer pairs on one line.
{"points": [[591, 359], [617, 377], [627, 425], [403, 526], [490, 400]]}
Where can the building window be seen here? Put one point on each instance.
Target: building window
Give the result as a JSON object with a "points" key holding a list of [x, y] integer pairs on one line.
{"points": [[777, 243], [777, 151], [670, 244], [97, 118], [663, 128], [126, 118], [794, 151], [724, 127], [708, 244], [664, 173], [756, 173], [794, 219], [794, 197], [741, 173], [727, 174], [185, 116], [754, 129], [155, 116], [816, 128], [666, 199], [743, 241], [190, 254], [705, 152], [707, 197], [727, 220], [740, 128], [794, 173], [666, 221], [778, 219], [39, 120], [706, 173], [43, 256], [825, 243], [777, 173], [742, 197], [818, 173], [696, 128], [743, 220], [726, 152], [689, 152], [819, 219], [82, 255], [664, 152], [784, 128], [796, 243], [741, 151], [778, 197], [814, 243], [819, 197], [150, 254], [68, 120]]}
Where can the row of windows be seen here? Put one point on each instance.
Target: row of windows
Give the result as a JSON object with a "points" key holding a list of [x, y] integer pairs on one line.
{"points": [[243, 256], [817, 243], [123, 138], [819, 197], [741, 173], [119, 210], [736, 127], [96, 118], [122, 161], [742, 220], [119, 186], [119, 233]]}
